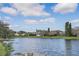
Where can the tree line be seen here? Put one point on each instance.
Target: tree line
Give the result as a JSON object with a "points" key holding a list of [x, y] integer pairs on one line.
{"points": [[5, 31]]}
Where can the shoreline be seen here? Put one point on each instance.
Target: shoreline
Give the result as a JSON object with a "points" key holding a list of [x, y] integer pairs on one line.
{"points": [[46, 37], [50, 37]]}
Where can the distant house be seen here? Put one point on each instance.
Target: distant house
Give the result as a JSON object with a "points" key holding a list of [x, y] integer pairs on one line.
{"points": [[40, 32], [51, 33], [56, 32], [75, 32], [78, 33], [32, 33], [22, 33], [16, 34]]}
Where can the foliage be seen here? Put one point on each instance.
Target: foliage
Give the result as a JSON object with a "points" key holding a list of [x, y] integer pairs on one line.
{"points": [[5, 32], [68, 29], [2, 50], [48, 29], [8, 48]]}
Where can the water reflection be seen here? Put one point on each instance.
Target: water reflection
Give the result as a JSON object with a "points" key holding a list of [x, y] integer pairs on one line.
{"points": [[37, 46], [72, 47], [68, 46], [75, 47], [46, 47]]}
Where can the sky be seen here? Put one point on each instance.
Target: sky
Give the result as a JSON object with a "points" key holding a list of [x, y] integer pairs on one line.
{"points": [[32, 16]]}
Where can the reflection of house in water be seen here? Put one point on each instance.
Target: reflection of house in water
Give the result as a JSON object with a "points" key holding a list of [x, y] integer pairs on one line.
{"points": [[68, 46]]}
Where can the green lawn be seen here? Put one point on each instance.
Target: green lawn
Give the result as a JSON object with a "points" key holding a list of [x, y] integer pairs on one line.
{"points": [[2, 50], [55, 37]]}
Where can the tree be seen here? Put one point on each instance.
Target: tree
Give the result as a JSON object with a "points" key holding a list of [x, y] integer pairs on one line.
{"points": [[5, 32], [48, 29], [68, 29]]}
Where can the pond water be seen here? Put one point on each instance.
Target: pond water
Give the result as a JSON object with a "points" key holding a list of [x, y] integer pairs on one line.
{"points": [[45, 47]]}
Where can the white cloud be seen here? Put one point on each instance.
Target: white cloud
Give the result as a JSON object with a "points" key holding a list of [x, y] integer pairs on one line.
{"points": [[65, 7], [31, 21], [41, 21], [31, 9], [6, 19], [75, 22], [8, 10], [14, 25]]}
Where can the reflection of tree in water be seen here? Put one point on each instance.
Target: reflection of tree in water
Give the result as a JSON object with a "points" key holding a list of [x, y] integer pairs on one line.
{"points": [[68, 47]]}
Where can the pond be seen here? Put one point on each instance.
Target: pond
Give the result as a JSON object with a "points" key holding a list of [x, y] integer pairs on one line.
{"points": [[45, 47]]}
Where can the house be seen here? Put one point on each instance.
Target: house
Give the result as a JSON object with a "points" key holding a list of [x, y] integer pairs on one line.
{"points": [[75, 31], [16, 34], [46, 33], [56, 32], [40, 32], [32, 33]]}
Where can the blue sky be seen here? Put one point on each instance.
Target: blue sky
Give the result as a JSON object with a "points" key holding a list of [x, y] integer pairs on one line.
{"points": [[32, 16]]}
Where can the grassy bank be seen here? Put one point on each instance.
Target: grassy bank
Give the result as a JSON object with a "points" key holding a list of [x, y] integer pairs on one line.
{"points": [[2, 50], [5, 49], [55, 37], [52, 37]]}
